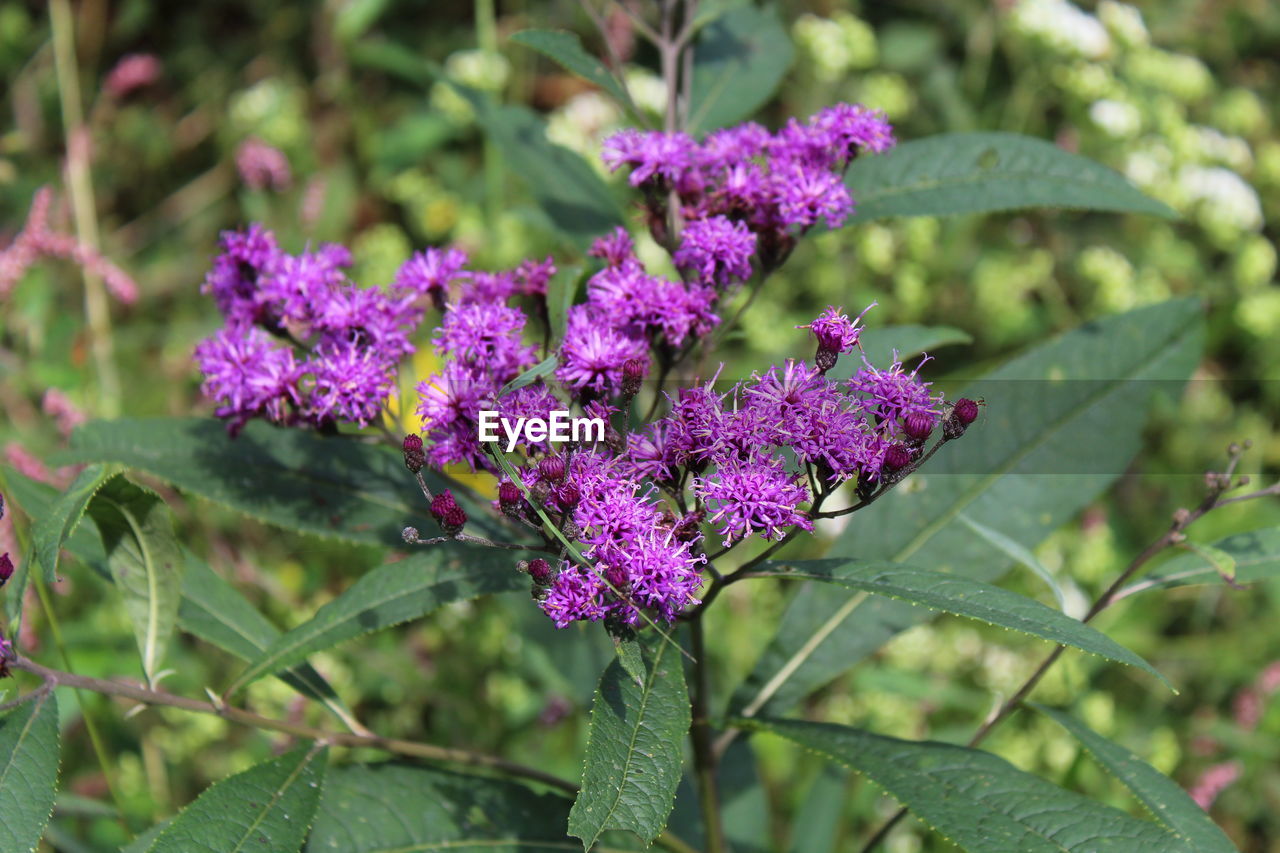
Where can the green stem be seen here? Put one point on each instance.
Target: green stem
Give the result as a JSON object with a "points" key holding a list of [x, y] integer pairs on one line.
{"points": [[704, 756], [80, 188]]}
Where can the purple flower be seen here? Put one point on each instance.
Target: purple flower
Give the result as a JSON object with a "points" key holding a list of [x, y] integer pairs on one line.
{"points": [[717, 249], [247, 256], [487, 335], [250, 376], [489, 288], [850, 128], [532, 277], [653, 156], [835, 331], [449, 404], [351, 383], [576, 595], [301, 285], [891, 395], [806, 194], [430, 272], [615, 248], [593, 352], [754, 496]]}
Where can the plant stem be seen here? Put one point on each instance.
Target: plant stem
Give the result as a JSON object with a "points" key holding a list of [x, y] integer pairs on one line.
{"points": [[80, 188], [704, 755], [148, 696]]}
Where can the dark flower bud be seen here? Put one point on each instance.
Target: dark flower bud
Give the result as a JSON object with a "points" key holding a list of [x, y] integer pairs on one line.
{"points": [[826, 358], [963, 413], [6, 569], [633, 373], [568, 496], [540, 571], [689, 528], [453, 520], [552, 468], [414, 458], [897, 457], [616, 576], [570, 529], [508, 496], [918, 425]]}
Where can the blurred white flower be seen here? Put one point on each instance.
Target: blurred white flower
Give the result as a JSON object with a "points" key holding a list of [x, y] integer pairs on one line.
{"points": [[1225, 197], [1119, 119], [1063, 27], [1124, 22], [481, 69]]}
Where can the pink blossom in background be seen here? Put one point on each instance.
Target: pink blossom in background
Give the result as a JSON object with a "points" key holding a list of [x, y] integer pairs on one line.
{"points": [[37, 241], [133, 71], [1214, 781], [262, 166], [1247, 708], [312, 205], [28, 465], [1269, 679], [65, 413]]}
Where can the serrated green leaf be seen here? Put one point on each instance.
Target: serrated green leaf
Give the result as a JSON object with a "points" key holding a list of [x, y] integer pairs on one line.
{"points": [[28, 772], [979, 800], [956, 173], [145, 560], [630, 657], [530, 376], [962, 596], [1019, 468], [634, 749], [389, 595], [738, 61], [1171, 806], [1256, 555], [393, 807], [291, 478], [51, 530], [566, 49], [1016, 552], [267, 807]]}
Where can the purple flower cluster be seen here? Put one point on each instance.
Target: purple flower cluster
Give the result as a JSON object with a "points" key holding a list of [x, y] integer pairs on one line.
{"points": [[302, 344], [748, 181]]}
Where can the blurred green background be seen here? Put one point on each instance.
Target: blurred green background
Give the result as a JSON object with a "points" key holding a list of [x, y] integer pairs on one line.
{"points": [[1180, 96]]}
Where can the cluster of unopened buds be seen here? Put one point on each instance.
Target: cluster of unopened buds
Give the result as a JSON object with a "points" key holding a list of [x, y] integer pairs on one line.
{"points": [[623, 507]]}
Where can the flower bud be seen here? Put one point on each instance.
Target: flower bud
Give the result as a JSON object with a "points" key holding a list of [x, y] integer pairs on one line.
{"points": [[897, 457], [963, 413], [540, 571], [409, 534], [509, 496], [414, 458], [918, 425], [616, 576], [6, 569], [568, 496], [552, 468], [633, 373], [454, 519]]}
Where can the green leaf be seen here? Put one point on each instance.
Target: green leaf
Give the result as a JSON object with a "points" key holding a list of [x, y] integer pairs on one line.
{"points": [[561, 291], [979, 800], [569, 191], [982, 172], [634, 749], [28, 772], [817, 825], [389, 595], [1019, 468], [1255, 555], [1171, 806], [1016, 552], [630, 657], [51, 530], [394, 808], [530, 376], [738, 62], [962, 596], [146, 563], [217, 613], [267, 807], [291, 478], [566, 48]]}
